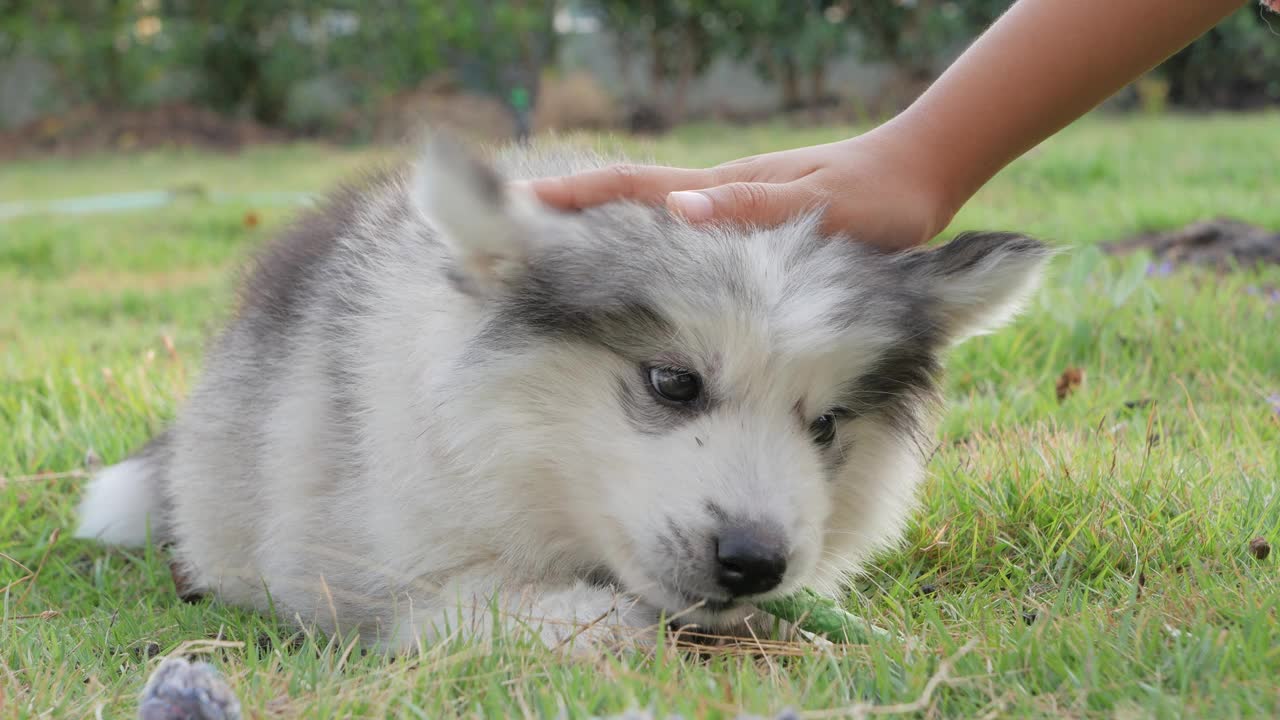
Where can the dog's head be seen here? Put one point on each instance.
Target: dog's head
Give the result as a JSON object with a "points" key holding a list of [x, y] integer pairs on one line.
{"points": [[710, 415]]}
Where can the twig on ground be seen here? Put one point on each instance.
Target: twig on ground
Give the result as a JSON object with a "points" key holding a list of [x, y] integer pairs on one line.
{"points": [[862, 710], [41, 477], [53, 540]]}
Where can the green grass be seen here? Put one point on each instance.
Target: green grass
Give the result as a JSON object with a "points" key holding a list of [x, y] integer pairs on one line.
{"points": [[1089, 556]]}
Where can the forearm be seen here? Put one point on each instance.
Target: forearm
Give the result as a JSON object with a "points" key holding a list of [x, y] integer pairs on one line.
{"points": [[1042, 65]]}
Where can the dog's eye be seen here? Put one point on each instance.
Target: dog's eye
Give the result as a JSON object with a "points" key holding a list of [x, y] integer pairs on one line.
{"points": [[675, 384], [824, 429]]}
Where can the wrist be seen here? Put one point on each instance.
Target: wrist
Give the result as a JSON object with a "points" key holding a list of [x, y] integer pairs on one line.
{"points": [[927, 171]]}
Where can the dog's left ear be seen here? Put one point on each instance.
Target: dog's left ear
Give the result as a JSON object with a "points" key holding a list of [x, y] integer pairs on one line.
{"points": [[978, 281], [488, 229]]}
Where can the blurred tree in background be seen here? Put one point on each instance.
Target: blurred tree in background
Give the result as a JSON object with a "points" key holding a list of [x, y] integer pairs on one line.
{"points": [[1234, 66], [504, 45], [789, 43], [280, 62], [674, 37], [314, 67]]}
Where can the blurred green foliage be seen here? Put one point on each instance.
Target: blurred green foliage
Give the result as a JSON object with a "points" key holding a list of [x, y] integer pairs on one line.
{"points": [[1235, 65], [292, 62], [245, 57]]}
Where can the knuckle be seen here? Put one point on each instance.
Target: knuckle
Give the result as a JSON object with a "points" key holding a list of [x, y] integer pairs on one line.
{"points": [[626, 177], [750, 198], [744, 170]]}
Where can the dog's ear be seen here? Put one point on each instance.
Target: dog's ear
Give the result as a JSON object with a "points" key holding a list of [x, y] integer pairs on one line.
{"points": [[978, 281], [488, 228]]}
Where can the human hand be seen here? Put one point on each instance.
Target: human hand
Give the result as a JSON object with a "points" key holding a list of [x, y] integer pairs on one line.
{"points": [[872, 188], [1043, 64]]}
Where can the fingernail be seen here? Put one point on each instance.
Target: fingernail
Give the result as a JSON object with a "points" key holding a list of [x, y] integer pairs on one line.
{"points": [[692, 205]]}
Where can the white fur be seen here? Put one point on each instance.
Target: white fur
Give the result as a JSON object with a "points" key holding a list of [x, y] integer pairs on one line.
{"points": [[370, 464], [991, 295], [489, 236], [117, 505]]}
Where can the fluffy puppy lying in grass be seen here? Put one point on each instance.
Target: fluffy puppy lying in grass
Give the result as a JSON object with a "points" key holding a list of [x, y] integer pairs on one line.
{"points": [[437, 394]]}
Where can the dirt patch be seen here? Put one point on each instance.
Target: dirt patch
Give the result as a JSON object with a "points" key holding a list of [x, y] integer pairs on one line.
{"points": [[90, 129], [572, 102], [1259, 548], [569, 103], [439, 102], [94, 129], [1221, 243]]}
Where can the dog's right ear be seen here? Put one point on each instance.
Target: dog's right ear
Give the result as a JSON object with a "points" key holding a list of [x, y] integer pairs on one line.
{"points": [[978, 281], [488, 229]]}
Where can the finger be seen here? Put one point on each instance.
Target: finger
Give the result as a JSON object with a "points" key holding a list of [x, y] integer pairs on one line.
{"points": [[642, 183], [764, 204]]}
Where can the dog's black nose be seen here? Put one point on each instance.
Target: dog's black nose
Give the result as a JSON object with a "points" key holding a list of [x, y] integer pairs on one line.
{"points": [[751, 559]]}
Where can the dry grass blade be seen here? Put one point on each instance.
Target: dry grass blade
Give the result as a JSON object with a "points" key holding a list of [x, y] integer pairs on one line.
{"points": [[53, 540], [920, 704], [46, 615], [191, 647], [44, 477]]}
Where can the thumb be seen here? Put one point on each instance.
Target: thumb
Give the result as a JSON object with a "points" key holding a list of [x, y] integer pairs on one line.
{"points": [[750, 202]]}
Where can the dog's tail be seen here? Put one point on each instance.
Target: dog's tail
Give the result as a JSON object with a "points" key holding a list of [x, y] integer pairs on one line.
{"points": [[123, 504]]}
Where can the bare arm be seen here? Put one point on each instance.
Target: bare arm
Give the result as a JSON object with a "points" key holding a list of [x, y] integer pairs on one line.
{"points": [[1043, 64]]}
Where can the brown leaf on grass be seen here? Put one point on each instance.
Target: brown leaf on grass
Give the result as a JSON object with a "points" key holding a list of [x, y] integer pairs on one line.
{"points": [[1259, 548], [1070, 381], [170, 348], [251, 219]]}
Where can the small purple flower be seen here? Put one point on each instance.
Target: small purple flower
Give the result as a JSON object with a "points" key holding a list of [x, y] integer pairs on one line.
{"points": [[1274, 399], [1164, 269], [1272, 295]]}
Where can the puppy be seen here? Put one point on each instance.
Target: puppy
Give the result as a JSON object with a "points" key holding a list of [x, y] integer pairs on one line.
{"points": [[439, 399]]}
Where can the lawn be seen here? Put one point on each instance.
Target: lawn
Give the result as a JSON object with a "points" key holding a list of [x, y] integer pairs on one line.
{"points": [[1082, 558]]}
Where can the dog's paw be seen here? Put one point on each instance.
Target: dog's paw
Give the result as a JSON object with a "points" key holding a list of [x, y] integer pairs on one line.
{"points": [[588, 620]]}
